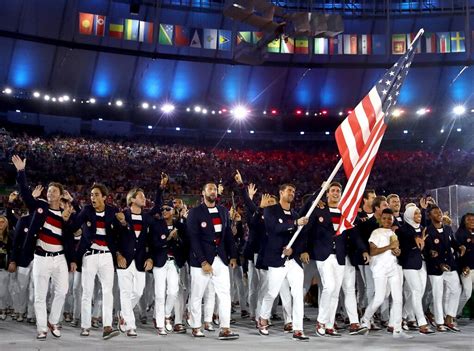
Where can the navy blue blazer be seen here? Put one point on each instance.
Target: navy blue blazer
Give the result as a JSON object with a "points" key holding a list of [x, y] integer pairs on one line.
{"points": [[364, 230], [466, 238], [410, 255], [445, 245], [39, 211], [22, 256], [160, 246], [279, 232], [201, 234]]}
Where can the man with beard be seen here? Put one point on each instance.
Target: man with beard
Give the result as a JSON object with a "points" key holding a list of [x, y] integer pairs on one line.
{"points": [[211, 245]]}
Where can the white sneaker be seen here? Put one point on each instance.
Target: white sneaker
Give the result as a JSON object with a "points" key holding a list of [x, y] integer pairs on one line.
{"points": [[401, 335]]}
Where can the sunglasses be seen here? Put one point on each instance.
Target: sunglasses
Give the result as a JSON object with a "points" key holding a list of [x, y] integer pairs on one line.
{"points": [[166, 208]]}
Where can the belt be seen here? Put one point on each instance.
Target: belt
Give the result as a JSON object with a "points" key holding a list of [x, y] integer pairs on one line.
{"points": [[170, 258], [48, 254], [95, 252]]}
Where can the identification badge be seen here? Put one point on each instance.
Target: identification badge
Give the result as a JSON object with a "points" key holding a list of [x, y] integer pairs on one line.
{"points": [[163, 237], [203, 224], [321, 219], [280, 220], [436, 241], [40, 210], [89, 224]]}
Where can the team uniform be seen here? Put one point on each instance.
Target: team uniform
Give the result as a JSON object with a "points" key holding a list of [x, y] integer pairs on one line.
{"points": [[465, 237]]}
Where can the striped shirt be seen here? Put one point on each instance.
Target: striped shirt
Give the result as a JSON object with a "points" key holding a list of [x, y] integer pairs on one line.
{"points": [[170, 250], [99, 241], [335, 219], [216, 219], [50, 236], [137, 224]]}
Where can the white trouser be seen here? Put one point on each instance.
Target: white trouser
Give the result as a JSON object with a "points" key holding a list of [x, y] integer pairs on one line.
{"points": [[101, 265], [366, 275], [385, 286], [294, 276], [238, 286], [453, 291], [253, 288], [77, 295], [148, 295], [131, 284], [210, 304], [332, 275], [183, 293], [4, 277], [416, 280], [221, 281], [310, 271], [286, 301], [360, 287], [348, 287], [69, 302], [467, 283], [25, 295], [97, 299], [44, 269], [166, 291]]}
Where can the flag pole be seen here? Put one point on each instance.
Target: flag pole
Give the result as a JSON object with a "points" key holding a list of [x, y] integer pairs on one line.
{"points": [[324, 188]]}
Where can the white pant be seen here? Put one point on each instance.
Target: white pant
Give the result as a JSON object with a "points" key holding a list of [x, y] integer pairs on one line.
{"points": [[183, 293], [384, 286], [253, 288], [101, 265], [131, 284], [366, 274], [453, 291], [221, 282], [348, 287], [293, 275], [467, 283], [4, 277], [416, 280], [148, 295], [332, 275], [166, 291], [238, 286], [25, 298], [44, 269]]}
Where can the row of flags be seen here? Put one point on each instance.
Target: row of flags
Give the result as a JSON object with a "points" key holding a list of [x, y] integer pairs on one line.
{"points": [[217, 39]]}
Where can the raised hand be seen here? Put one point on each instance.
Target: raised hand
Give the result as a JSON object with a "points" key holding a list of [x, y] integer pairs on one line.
{"points": [[252, 190], [13, 196], [67, 196], [423, 203], [302, 221], [19, 163], [37, 191], [164, 180], [238, 177], [220, 189]]}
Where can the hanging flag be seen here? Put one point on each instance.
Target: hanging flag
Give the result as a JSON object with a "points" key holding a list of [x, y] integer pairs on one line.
{"points": [[244, 36], [210, 39], [287, 45], [458, 42], [359, 136], [99, 25], [196, 39], [274, 46], [116, 28], [301, 46], [378, 44], [224, 40], [399, 44], [336, 45], [321, 46], [410, 38], [256, 36], [430, 41], [131, 29], [365, 44], [350, 44], [86, 23], [165, 35], [146, 32], [444, 42], [181, 36]]}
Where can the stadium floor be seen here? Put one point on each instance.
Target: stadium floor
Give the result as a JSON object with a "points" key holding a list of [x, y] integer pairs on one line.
{"points": [[21, 336]]}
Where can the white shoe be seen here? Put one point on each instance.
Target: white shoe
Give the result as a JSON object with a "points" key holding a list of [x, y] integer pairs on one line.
{"points": [[401, 335]]}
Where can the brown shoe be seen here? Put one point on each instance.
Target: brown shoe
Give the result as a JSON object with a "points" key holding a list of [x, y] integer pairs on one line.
{"points": [[227, 334], [109, 332], [179, 329], [288, 328]]}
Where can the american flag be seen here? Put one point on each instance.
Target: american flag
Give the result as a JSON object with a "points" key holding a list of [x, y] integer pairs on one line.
{"points": [[359, 136]]}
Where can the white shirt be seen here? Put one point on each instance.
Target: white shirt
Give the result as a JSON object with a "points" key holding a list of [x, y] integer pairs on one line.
{"points": [[384, 264]]}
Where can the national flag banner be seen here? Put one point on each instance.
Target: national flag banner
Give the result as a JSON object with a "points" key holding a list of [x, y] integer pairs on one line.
{"points": [[274, 46], [257, 36], [350, 44], [321, 46], [210, 39], [301, 46], [116, 28], [244, 36], [146, 32], [410, 38], [365, 44], [458, 42], [430, 43], [196, 38], [336, 45], [287, 45], [131, 29], [86, 23], [399, 44], [225, 43], [165, 35], [444, 42], [99, 25], [379, 42], [359, 136], [181, 35]]}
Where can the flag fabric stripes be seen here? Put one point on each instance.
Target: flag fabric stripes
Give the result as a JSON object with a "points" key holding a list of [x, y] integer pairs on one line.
{"points": [[399, 44], [165, 35], [350, 44], [287, 45], [430, 41], [321, 46], [99, 25], [224, 40], [444, 42], [365, 44], [116, 28], [181, 35], [257, 36], [301, 46], [274, 46], [458, 42], [131, 29], [359, 136], [410, 37], [210, 39], [146, 32], [335, 45]]}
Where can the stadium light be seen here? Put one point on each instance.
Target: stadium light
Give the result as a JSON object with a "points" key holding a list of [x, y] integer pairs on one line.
{"points": [[441, 131], [53, 99], [119, 103], [240, 112], [302, 133], [397, 113], [178, 129], [154, 107], [145, 105], [341, 113], [458, 130], [92, 100], [307, 113], [7, 91], [36, 94], [188, 109], [324, 112], [66, 98], [46, 97], [264, 112], [422, 111], [405, 131], [459, 110], [60, 99], [204, 111], [17, 111], [298, 112], [167, 108], [327, 133], [252, 132], [229, 131], [197, 108], [274, 112], [150, 127]]}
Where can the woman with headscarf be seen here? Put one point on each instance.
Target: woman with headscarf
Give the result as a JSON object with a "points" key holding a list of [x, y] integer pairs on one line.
{"points": [[410, 237]]}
